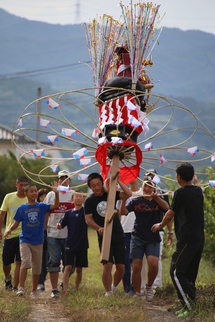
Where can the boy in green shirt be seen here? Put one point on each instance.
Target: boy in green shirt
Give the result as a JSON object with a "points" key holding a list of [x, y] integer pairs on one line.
{"points": [[11, 248]]}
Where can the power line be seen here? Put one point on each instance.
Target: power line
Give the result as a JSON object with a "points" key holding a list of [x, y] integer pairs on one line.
{"points": [[38, 72]]}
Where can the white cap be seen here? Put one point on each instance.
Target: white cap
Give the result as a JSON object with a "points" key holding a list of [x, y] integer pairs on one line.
{"points": [[63, 173]]}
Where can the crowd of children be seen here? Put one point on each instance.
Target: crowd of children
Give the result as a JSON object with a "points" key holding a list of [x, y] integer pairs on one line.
{"points": [[41, 215]]}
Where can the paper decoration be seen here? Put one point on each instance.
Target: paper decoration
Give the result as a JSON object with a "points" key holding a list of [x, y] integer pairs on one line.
{"points": [[52, 104], [20, 122], [82, 177], [116, 140], [156, 179], [102, 140], [38, 153], [131, 106], [68, 132], [45, 123], [85, 162], [64, 189], [96, 133], [52, 138], [213, 157], [133, 121], [80, 153], [192, 151], [211, 183], [162, 160], [54, 168], [148, 146]]}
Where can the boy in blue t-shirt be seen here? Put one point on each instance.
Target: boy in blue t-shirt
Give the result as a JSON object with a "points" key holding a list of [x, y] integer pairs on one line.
{"points": [[32, 215], [76, 242]]}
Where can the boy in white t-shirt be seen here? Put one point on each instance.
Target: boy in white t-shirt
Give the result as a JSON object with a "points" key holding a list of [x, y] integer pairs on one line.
{"points": [[127, 223], [56, 238]]}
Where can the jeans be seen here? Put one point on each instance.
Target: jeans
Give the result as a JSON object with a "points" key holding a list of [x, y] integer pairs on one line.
{"points": [[44, 261], [127, 275], [56, 250]]}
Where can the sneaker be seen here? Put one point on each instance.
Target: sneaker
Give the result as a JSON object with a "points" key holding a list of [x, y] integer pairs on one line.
{"points": [[33, 295], [14, 288], [61, 285], [129, 292], [8, 284], [180, 311], [41, 287], [54, 293], [143, 291], [149, 293], [137, 295], [21, 291], [184, 314], [113, 288], [110, 293]]}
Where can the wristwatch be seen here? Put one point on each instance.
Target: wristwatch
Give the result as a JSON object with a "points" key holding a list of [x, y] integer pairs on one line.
{"points": [[170, 233]]}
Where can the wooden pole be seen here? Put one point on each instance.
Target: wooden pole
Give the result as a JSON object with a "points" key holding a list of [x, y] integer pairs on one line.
{"points": [[105, 252], [38, 118]]}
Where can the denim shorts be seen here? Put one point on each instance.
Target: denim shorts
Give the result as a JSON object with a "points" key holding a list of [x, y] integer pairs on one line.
{"points": [[140, 247], [56, 252]]}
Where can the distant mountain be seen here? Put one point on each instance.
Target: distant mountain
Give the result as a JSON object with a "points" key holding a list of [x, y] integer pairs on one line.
{"points": [[33, 53], [183, 61], [28, 45]]}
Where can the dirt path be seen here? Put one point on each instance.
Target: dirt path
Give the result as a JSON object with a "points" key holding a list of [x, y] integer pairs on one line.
{"points": [[160, 312], [46, 309]]}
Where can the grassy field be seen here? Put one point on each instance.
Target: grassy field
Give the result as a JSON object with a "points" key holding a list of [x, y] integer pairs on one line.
{"points": [[90, 304]]}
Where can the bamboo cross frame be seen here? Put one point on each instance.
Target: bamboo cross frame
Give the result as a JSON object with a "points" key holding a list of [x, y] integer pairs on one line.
{"points": [[110, 213]]}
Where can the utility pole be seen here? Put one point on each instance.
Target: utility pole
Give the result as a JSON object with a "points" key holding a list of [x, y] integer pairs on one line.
{"points": [[77, 11], [39, 112]]}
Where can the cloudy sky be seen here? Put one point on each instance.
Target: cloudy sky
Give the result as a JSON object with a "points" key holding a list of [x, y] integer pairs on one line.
{"points": [[183, 14]]}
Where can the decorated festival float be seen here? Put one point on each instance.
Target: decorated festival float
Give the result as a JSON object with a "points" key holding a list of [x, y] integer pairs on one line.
{"points": [[121, 123]]}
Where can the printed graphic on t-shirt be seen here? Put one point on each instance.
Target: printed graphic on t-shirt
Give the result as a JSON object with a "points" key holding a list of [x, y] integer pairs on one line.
{"points": [[63, 207], [33, 219], [145, 207], [101, 208], [13, 209]]}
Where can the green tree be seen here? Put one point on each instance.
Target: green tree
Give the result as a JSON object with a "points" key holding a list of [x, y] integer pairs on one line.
{"points": [[11, 170], [209, 212], [209, 202]]}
